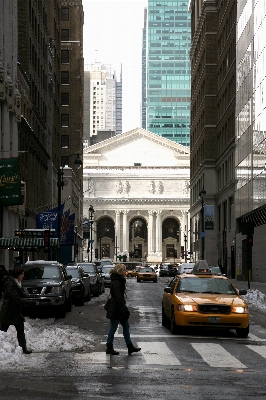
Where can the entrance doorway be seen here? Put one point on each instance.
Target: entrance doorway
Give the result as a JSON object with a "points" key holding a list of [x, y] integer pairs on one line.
{"points": [[137, 250]]}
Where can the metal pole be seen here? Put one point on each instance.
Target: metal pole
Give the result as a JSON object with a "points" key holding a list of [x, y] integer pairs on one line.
{"points": [[91, 237], [60, 174], [185, 240], [202, 225]]}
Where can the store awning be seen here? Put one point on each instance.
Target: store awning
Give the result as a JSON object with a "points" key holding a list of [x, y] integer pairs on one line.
{"points": [[26, 243]]}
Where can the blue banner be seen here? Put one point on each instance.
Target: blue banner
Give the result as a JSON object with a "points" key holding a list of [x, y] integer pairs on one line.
{"points": [[209, 218]]}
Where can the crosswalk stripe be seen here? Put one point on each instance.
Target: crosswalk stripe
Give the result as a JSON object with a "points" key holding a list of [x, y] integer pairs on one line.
{"points": [[94, 358], [261, 350], [216, 356], [256, 338], [157, 353]]}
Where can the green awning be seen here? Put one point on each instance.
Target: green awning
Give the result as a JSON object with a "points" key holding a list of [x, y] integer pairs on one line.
{"points": [[21, 243]]}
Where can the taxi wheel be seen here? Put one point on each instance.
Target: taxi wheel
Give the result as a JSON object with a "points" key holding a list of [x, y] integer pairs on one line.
{"points": [[173, 326], [164, 318], [129, 275], [242, 332]]}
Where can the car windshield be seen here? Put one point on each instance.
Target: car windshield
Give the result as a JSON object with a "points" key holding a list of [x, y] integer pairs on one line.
{"points": [[88, 267], [41, 272], [106, 269], [205, 285], [146, 270], [73, 271]]}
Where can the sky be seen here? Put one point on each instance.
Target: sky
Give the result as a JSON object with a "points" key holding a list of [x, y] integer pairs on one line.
{"points": [[112, 35], [49, 335]]}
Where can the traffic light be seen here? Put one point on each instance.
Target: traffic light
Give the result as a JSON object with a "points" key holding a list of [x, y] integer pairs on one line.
{"points": [[96, 253], [76, 249], [182, 251]]}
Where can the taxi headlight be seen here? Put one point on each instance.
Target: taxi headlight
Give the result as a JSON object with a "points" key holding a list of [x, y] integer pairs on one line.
{"points": [[240, 310], [186, 307], [56, 290]]}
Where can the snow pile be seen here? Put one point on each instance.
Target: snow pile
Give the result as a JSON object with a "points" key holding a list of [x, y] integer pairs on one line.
{"points": [[42, 336], [256, 298]]}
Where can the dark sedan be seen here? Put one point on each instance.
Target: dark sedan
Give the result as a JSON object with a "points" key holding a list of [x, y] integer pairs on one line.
{"points": [[81, 290], [167, 270]]}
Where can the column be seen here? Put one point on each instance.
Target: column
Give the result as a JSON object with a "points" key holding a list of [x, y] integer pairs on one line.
{"points": [[125, 231], [117, 230], [158, 231], [150, 232]]}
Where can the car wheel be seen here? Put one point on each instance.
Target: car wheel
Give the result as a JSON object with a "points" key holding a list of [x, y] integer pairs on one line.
{"points": [[81, 299], [88, 297], [164, 318], [69, 303], [61, 311], [138, 280], [173, 326], [129, 275], [242, 332], [155, 281], [97, 291]]}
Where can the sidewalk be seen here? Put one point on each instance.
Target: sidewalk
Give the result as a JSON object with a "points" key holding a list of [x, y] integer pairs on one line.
{"points": [[261, 286]]}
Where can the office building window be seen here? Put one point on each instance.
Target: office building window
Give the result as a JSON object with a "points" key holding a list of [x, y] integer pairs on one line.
{"points": [[65, 77], [64, 35], [64, 14], [64, 99], [65, 56], [64, 141], [64, 120]]}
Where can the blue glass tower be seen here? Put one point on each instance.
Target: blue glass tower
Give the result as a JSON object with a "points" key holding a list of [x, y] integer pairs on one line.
{"points": [[168, 70]]}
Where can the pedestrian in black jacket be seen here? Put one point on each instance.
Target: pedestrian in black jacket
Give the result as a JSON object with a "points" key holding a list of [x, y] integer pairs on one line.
{"points": [[13, 299], [117, 310], [3, 273]]}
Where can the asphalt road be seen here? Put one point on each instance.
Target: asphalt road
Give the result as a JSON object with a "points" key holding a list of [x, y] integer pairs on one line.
{"points": [[193, 366]]}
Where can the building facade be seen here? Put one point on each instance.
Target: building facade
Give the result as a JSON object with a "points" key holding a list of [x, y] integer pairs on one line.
{"points": [[167, 72], [213, 130], [250, 197], [102, 102], [138, 185]]}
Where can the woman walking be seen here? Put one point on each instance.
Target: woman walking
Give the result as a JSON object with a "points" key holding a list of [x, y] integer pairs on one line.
{"points": [[10, 313], [117, 310]]}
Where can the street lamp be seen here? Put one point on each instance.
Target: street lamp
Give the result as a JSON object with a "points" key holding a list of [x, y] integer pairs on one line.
{"points": [[60, 185], [185, 241], [201, 194], [91, 216]]}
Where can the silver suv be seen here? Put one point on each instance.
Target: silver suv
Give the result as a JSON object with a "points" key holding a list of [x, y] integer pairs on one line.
{"points": [[47, 283], [97, 282]]}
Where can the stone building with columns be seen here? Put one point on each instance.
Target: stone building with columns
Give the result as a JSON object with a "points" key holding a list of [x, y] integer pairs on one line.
{"points": [[138, 185]]}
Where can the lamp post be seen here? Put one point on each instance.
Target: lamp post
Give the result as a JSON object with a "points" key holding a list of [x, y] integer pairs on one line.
{"points": [[185, 241], [201, 194], [60, 185], [91, 219]]}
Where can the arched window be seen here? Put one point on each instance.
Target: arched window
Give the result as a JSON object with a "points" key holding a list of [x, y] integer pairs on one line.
{"points": [[138, 228], [105, 228], [171, 229]]}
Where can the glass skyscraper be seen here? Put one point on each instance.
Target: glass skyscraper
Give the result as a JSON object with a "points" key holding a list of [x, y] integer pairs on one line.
{"points": [[167, 97]]}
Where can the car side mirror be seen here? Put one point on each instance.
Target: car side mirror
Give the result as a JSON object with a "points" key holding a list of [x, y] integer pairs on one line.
{"points": [[85, 275], [242, 292], [68, 277], [169, 290]]}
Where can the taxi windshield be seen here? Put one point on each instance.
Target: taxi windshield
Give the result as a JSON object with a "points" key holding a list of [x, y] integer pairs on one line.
{"points": [[205, 285]]}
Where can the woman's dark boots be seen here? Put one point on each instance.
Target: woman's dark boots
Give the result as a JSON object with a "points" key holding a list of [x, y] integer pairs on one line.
{"points": [[110, 350], [132, 348]]}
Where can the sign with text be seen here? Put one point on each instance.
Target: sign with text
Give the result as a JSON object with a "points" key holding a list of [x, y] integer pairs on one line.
{"points": [[209, 218], [10, 182]]}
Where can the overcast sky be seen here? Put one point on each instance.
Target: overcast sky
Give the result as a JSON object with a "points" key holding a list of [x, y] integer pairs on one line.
{"points": [[113, 35]]}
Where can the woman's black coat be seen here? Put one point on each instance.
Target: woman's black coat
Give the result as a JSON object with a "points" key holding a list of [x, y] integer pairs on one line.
{"points": [[13, 299], [117, 308]]}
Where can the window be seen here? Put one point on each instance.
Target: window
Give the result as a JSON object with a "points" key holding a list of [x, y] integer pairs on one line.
{"points": [[64, 14], [64, 120], [64, 99], [64, 141], [64, 35], [65, 77], [65, 56]]}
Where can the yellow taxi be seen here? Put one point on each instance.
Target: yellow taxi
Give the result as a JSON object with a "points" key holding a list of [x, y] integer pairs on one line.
{"points": [[147, 274], [205, 300], [133, 272]]}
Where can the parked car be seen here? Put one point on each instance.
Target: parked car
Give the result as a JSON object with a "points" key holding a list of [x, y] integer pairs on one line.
{"points": [[105, 261], [207, 301], [81, 288], [167, 270], [146, 274], [96, 280], [106, 275], [48, 283]]}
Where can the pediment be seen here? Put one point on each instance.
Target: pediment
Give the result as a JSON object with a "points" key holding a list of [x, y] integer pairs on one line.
{"points": [[137, 146]]}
